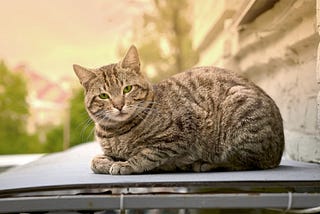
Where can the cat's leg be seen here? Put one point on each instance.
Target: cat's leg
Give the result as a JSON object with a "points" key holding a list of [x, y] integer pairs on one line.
{"points": [[146, 160], [101, 164]]}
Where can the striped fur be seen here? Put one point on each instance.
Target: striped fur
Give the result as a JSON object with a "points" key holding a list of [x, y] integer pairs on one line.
{"points": [[203, 119]]}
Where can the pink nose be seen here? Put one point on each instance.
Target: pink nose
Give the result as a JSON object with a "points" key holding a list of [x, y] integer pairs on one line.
{"points": [[118, 104]]}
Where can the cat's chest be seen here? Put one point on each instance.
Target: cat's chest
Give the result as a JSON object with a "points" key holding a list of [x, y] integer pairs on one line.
{"points": [[122, 146], [127, 145]]}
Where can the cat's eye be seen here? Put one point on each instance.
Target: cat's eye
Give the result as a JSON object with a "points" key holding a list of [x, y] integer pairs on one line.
{"points": [[103, 96], [127, 89]]}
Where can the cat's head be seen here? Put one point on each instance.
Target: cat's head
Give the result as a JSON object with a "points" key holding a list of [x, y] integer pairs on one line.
{"points": [[116, 92]]}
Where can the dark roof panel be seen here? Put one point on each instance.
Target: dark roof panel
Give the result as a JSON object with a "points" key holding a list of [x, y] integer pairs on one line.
{"points": [[71, 169]]}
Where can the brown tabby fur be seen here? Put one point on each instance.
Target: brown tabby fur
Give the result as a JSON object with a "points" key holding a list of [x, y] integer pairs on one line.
{"points": [[199, 120]]}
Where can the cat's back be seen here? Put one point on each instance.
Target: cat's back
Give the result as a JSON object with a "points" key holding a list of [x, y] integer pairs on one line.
{"points": [[202, 84], [211, 93], [206, 72]]}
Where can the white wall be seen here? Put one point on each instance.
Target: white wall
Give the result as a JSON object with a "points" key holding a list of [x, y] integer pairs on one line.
{"points": [[278, 51]]}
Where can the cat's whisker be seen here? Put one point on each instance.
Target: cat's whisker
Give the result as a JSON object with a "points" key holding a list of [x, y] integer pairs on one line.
{"points": [[87, 124], [91, 134], [103, 118], [146, 102], [142, 110], [139, 116], [103, 115], [152, 111], [84, 123]]}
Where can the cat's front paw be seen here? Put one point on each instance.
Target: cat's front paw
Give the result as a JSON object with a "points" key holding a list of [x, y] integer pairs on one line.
{"points": [[101, 164], [121, 168]]}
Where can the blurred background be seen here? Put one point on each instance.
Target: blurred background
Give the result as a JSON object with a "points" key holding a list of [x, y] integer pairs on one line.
{"points": [[272, 42]]}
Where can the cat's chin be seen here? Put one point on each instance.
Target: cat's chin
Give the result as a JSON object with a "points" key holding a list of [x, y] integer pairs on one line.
{"points": [[113, 120], [119, 117]]}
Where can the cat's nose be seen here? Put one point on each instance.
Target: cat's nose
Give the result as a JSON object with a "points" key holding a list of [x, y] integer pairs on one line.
{"points": [[118, 104]]}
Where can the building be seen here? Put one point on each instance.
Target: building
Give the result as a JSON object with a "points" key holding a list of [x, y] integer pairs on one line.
{"points": [[47, 100], [274, 43]]}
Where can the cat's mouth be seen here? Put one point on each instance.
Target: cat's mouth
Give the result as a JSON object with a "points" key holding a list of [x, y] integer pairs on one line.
{"points": [[119, 115], [122, 114], [115, 116]]}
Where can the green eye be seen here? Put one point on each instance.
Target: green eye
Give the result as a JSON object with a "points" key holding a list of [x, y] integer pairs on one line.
{"points": [[127, 89], [103, 96]]}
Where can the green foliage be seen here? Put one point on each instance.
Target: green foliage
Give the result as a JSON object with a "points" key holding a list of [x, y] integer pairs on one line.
{"points": [[14, 138], [13, 105], [81, 126], [165, 42], [54, 142], [14, 114]]}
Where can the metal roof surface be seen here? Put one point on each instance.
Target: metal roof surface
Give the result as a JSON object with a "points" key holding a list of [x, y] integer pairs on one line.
{"points": [[71, 169]]}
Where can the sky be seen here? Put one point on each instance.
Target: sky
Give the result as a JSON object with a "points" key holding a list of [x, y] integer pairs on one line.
{"points": [[49, 36]]}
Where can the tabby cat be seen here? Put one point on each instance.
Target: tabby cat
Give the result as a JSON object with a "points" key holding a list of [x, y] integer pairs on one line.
{"points": [[203, 119]]}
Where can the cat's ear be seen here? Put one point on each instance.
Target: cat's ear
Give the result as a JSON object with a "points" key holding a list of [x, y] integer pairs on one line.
{"points": [[131, 59], [83, 74]]}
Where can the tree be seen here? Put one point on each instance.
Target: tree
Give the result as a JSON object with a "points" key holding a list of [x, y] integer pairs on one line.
{"points": [[164, 40], [14, 114], [81, 127], [54, 140]]}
